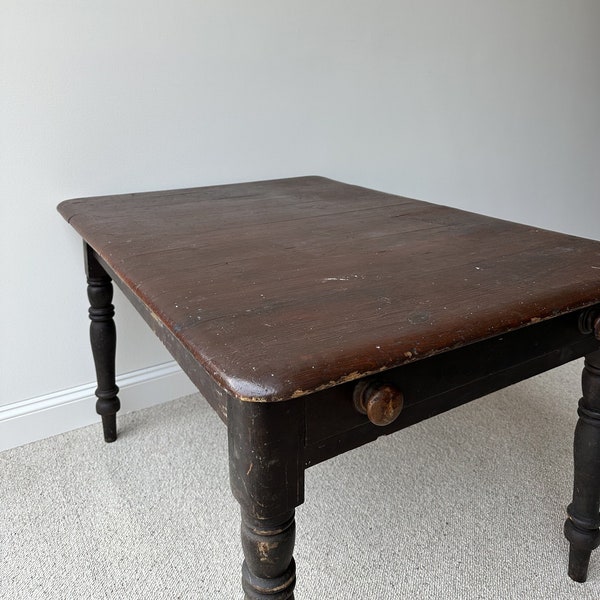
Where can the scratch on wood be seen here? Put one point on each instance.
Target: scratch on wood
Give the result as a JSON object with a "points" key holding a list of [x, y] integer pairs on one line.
{"points": [[343, 278], [155, 317]]}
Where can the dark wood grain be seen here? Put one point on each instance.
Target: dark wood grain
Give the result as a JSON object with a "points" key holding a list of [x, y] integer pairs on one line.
{"points": [[280, 288]]}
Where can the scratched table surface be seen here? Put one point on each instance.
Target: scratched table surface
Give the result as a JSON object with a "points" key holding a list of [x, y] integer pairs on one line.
{"points": [[280, 288]]}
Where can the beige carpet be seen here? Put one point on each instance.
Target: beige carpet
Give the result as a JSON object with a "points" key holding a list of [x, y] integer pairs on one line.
{"points": [[467, 505]]}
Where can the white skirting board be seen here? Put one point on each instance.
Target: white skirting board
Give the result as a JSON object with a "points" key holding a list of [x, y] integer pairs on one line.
{"points": [[38, 418]]}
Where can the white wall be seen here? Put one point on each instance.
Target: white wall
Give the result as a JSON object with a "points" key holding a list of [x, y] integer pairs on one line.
{"points": [[487, 105]]}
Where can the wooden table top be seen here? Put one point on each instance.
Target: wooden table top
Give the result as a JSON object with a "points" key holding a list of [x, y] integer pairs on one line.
{"points": [[280, 288]]}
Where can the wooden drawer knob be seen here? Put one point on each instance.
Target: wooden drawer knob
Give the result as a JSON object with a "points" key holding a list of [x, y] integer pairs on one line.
{"points": [[589, 322], [381, 402]]}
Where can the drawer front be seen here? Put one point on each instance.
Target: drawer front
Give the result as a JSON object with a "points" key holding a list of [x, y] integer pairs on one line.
{"points": [[435, 384]]}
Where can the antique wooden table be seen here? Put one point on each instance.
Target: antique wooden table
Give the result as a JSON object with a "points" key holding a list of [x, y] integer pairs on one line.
{"points": [[315, 316]]}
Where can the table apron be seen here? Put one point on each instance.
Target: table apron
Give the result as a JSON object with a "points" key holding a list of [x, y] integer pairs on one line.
{"points": [[439, 383]]}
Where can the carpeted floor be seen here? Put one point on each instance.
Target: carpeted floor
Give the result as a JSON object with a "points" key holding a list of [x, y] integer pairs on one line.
{"points": [[466, 505]]}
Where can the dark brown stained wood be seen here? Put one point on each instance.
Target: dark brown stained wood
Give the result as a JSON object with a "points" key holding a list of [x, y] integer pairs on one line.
{"points": [[281, 288]]}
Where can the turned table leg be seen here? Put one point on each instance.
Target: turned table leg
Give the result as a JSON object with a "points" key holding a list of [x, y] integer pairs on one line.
{"points": [[103, 338], [269, 570], [582, 528], [266, 467]]}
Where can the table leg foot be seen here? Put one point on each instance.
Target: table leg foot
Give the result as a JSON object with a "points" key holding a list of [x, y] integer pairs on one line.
{"points": [[103, 339], [269, 570], [582, 528], [109, 426], [578, 564]]}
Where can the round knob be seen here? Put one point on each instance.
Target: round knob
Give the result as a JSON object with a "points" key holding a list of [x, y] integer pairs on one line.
{"points": [[381, 402], [589, 322]]}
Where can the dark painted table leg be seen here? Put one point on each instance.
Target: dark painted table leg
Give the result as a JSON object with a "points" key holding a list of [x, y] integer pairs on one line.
{"points": [[103, 338], [266, 466], [269, 570], [582, 528]]}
